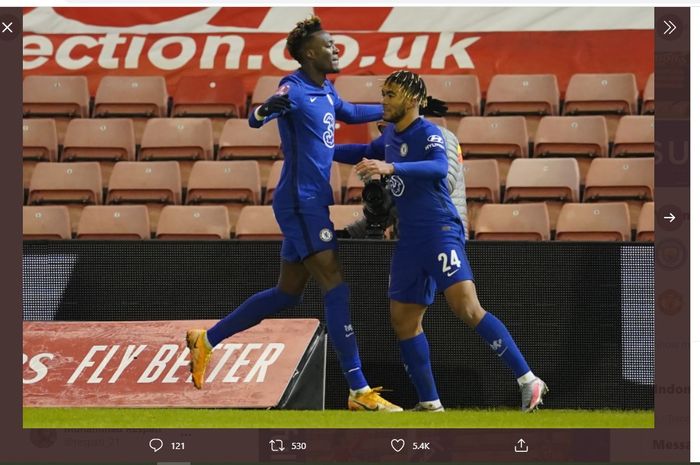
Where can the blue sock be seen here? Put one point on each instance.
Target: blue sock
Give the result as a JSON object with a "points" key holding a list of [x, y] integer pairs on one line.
{"points": [[251, 312], [416, 358], [496, 335], [340, 331]]}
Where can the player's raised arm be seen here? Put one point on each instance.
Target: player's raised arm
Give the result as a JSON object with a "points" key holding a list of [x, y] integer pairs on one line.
{"points": [[275, 106]]}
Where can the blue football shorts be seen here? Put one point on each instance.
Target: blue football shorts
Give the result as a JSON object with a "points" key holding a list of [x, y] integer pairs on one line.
{"points": [[419, 268], [306, 231]]}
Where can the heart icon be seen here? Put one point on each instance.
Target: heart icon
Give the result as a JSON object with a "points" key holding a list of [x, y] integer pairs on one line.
{"points": [[397, 444]]}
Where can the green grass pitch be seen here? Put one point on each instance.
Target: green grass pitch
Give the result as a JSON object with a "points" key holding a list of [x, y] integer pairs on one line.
{"points": [[236, 418]]}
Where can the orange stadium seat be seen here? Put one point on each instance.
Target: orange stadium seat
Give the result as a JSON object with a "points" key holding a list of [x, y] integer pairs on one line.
{"points": [[240, 141], [39, 143], [645, 224], [648, 106], [581, 137], [594, 222], [264, 88], [621, 179], [137, 97], [612, 95], [107, 141], [483, 185], [601, 93], [529, 95], [144, 96], [273, 179], [357, 89], [234, 184], [522, 222], [117, 222], [258, 222], [461, 92], [344, 215], [503, 138], [194, 222], [222, 96], [56, 96], [553, 180], [634, 137], [46, 222], [154, 184], [75, 185], [185, 140]]}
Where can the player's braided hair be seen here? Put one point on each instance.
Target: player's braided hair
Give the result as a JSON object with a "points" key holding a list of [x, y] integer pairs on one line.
{"points": [[410, 84], [300, 34]]}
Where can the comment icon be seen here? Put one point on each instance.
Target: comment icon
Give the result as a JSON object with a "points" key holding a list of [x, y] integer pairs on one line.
{"points": [[156, 444]]}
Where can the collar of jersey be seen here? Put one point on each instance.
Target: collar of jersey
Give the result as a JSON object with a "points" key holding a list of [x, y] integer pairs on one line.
{"points": [[302, 75]]}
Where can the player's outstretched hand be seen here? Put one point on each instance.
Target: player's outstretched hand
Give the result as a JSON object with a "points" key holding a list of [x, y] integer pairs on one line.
{"points": [[275, 104], [366, 168], [434, 107]]}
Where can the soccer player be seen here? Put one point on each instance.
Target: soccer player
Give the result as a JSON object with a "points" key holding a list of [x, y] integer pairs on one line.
{"points": [[430, 253], [306, 107]]}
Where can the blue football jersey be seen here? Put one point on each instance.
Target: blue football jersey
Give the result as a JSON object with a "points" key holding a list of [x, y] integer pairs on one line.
{"points": [[307, 132], [420, 192]]}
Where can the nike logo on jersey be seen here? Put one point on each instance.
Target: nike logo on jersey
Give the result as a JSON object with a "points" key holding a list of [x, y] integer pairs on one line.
{"points": [[313, 99], [452, 272]]}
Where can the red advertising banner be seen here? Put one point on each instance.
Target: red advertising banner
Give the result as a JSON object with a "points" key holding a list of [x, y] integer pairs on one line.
{"points": [[250, 42], [146, 364]]}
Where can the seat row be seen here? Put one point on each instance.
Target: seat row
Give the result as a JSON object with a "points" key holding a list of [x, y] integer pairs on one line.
{"points": [[189, 139], [536, 94], [529, 222]]}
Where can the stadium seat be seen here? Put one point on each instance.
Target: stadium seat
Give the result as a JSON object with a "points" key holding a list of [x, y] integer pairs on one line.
{"points": [[594, 222], [522, 222], [233, 184], [240, 142], [503, 138], [55, 96], [357, 89], [273, 179], [634, 137], [552, 180], [344, 215], [144, 96], [137, 97], [46, 222], [529, 95], [117, 222], [222, 96], [353, 188], [621, 179], [581, 137], [193, 222], [258, 222], [154, 184], [648, 106], [39, 144], [612, 95], [185, 140], [264, 88], [483, 185], [461, 92], [74, 185], [645, 224], [107, 141]]}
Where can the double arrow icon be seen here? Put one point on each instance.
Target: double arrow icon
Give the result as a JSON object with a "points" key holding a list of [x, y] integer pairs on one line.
{"points": [[670, 27]]}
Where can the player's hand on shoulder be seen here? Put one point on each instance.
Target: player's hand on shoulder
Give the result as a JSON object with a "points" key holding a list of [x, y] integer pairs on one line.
{"points": [[275, 104]]}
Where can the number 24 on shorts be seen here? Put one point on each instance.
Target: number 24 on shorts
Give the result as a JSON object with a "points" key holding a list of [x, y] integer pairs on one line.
{"points": [[454, 262]]}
